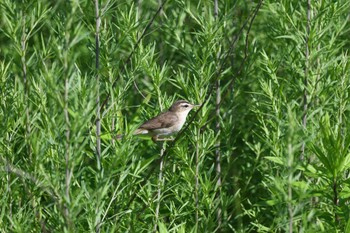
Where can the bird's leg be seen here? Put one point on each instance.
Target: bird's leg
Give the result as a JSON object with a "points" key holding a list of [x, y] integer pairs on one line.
{"points": [[155, 138], [161, 139]]}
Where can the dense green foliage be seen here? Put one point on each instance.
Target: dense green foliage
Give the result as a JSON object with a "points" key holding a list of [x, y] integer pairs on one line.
{"points": [[282, 71]]}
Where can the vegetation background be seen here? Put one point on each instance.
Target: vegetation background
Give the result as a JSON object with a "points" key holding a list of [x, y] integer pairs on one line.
{"points": [[268, 151]]}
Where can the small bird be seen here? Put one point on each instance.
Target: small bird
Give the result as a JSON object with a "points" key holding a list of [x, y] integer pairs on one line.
{"points": [[166, 123]]}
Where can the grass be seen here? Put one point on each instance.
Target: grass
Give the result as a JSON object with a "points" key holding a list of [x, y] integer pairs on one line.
{"points": [[278, 135]]}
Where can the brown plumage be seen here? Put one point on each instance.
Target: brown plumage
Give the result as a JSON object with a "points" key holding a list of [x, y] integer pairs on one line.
{"points": [[166, 123], [159, 121]]}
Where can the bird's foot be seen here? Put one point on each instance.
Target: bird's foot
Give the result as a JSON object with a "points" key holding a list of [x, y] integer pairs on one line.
{"points": [[156, 139]]}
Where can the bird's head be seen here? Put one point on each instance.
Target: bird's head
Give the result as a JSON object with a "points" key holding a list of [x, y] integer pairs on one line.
{"points": [[182, 106]]}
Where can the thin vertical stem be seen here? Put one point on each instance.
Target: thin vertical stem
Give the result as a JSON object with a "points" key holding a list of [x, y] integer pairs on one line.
{"points": [[290, 208], [318, 62], [306, 75], [160, 185], [216, 9], [9, 180], [290, 193], [161, 44], [98, 113], [335, 199], [67, 129], [26, 85], [217, 145], [67, 147], [98, 110], [112, 129], [160, 176], [197, 178], [139, 12]]}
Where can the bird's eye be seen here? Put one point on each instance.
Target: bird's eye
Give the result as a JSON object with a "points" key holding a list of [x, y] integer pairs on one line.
{"points": [[186, 105]]}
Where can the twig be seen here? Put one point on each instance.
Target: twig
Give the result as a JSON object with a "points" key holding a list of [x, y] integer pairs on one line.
{"points": [[255, 13], [335, 199], [26, 85], [306, 75], [290, 191], [97, 64], [232, 81], [217, 145], [68, 168], [196, 191], [133, 51], [67, 142], [27, 176], [160, 185], [98, 109]]}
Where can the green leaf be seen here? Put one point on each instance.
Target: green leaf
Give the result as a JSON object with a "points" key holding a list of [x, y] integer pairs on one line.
{"points": [[277, 160], [162, 227]]}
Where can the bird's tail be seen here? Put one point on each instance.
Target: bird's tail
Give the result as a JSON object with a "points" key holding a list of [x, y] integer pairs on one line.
{"points": [[140, 131], [136, 132]]}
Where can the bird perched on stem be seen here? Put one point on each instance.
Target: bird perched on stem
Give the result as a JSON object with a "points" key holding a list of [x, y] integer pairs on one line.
{"points": [[166, 123]]}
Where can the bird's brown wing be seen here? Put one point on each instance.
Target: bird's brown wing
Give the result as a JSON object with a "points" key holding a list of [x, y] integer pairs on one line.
{"points": [[164, 120]]}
